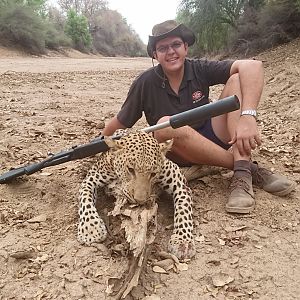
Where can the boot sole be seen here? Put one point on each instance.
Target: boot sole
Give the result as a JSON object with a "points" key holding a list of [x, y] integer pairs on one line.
{"points": [[240, 210], [286, 191]]}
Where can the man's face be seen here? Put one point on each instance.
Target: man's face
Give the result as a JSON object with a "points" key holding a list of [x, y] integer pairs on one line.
{"points": [[170, 53]]}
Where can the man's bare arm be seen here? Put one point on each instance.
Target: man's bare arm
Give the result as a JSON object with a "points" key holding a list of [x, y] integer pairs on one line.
{"points": [[251, 75], [112, 126]]}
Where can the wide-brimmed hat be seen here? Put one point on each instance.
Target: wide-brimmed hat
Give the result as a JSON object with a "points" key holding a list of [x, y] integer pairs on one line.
{"points": [[166, 29]]}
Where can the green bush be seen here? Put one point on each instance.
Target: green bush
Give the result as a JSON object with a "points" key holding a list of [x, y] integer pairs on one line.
{"points": [[77, 29], [20, 26], [23, 25], [54, 39], [276, 23]]}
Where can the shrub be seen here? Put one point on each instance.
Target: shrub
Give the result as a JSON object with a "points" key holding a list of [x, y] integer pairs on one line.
{"points": [[276, 23], [77, 29], [54, 39], [113, 36], [20, 26]]}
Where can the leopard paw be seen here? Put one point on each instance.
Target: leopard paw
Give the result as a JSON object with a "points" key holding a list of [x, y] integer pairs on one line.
{"points": [[181, 248], [93, 231]]}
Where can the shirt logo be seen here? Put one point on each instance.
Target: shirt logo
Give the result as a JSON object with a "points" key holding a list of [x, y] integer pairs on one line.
{"points": [[197, 96]]}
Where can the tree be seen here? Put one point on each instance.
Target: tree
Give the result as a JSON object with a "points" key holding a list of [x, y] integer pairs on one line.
{"points": [[209, 20], [77, 29], [20, 26], [274, 22], [38, 6], [214, 20], [86, 7], [113, 36], [56, 17]]}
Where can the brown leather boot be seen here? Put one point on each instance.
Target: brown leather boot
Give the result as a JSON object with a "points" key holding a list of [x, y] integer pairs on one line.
{"points": [[270, 182], [241, 198]]}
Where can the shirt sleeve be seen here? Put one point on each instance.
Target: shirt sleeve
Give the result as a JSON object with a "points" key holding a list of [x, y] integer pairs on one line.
{"points": [[132, 109], [216, 71]]}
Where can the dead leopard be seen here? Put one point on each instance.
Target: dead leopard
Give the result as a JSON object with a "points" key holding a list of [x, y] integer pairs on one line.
{"points": [[132, 169]]}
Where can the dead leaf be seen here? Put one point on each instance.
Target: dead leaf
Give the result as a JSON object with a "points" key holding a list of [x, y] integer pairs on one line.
{"points": [[200, 238], [221, 279], [181, 267], [24, 254], [258, 246], [234, 261], [157, 269], [45, 174], [232, 229], [164, 254], [38, 219], [214, 262], [221, 242], [166, 264], [152, 297]]}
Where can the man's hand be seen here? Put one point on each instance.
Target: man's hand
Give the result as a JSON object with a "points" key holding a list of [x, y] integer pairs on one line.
{"points": [[246, 135]]}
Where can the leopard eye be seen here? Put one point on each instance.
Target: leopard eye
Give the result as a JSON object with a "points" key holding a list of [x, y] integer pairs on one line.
{"points": [[152, 174], [131, 171]]}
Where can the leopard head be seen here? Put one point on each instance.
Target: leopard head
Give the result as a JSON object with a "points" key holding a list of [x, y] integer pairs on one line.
{"points": [[137, 160]]}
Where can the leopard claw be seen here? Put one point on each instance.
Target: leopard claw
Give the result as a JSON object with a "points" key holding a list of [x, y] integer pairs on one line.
{"points": [[182, 249]]}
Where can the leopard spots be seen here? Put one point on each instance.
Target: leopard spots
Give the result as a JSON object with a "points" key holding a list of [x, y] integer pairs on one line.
{"points": [[133, 167]]}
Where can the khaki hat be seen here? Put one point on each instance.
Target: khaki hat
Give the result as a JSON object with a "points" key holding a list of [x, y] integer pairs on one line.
{"points": [[166, 29]]}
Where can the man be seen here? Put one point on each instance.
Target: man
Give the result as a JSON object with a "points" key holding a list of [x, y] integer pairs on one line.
{"points": [[178, 84]]}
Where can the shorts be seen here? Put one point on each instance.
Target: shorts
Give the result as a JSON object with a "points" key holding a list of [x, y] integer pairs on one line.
{"points": [[207, 131]]}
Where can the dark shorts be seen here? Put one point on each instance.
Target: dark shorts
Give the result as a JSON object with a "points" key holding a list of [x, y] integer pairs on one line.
{"points": [[207, 131]]}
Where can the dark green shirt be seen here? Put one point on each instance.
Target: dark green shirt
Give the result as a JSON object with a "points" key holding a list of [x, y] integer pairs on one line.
{"points": [[152, 95]]}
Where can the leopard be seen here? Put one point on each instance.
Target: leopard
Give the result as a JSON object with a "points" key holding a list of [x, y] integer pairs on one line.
{"points": [[136, 166]]}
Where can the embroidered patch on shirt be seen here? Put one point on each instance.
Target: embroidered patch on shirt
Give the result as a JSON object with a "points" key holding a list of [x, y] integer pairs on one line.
{"points": [[197, 96]]}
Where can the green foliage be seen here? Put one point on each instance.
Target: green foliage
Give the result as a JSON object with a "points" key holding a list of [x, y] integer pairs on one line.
{"points": [[241, 26], [56, 18], [211, 20], [55, 39], [23, 25], [77, 29], [36, 26], [38, 6], [18, 25], [297, 4], [256, 4], [278, 21]]}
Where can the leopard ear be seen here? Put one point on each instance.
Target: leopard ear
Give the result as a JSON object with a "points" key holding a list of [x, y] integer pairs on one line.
{"points": [[166, 146], [111, 143]]}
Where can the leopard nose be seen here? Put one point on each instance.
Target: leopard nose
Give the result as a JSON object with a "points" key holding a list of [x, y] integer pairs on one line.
{"points": [[141, 196], [142, 188]]}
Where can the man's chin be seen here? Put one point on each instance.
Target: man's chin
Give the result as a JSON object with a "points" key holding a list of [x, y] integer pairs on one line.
{"points": [[173, 66]]}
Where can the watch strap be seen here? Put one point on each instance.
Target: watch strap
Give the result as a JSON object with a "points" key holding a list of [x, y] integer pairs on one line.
{"points": [[249, 112]]}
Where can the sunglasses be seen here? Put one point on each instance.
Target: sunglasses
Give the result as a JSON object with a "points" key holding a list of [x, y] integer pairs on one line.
{"points": [[165, 48]]}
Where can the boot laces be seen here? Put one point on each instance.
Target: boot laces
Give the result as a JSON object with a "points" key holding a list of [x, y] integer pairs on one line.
{"points": [[260, 176], [239, 183]]}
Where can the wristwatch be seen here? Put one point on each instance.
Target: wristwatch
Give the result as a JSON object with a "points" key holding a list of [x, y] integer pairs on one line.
{"points": [[249, 112]]}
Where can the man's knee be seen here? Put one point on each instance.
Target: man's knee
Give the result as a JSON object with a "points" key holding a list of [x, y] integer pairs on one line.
{"points": [[233, 81], [163, 119], [232, 86], [162, 134]]}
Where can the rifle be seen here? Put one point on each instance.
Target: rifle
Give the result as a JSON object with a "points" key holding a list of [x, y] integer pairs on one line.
{"points": [[97, 145]]}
